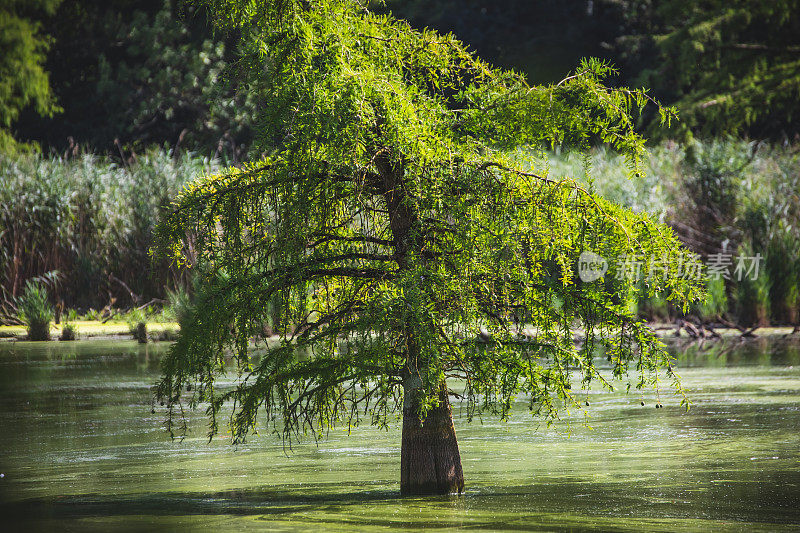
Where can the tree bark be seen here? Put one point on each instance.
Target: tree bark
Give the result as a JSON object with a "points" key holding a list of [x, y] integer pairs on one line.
{"points": [[429, 459]]}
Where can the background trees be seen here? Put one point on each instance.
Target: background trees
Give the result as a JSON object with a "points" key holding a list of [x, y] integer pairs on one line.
{"points": [[543, 39], [729, 67], [136, 74], [113, 65], [23, 79]]}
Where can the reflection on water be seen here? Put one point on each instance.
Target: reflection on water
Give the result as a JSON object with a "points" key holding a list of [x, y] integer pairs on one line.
{"points": [[760, 351], [81, 450]]}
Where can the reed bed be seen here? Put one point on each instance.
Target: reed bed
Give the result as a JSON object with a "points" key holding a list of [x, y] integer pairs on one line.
{"points": [[725, 196], [91, 220]]}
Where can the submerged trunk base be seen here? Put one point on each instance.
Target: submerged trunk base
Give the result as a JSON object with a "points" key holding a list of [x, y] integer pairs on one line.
{"points": [[430, 462]]}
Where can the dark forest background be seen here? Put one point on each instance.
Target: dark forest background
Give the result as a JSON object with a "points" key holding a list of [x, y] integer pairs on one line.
{"points": [[127, 74]]}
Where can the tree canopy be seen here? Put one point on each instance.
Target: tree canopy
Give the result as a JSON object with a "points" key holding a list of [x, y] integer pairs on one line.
{"points": [[23, 80], [730, 67], [141, 74], [396, 235]]}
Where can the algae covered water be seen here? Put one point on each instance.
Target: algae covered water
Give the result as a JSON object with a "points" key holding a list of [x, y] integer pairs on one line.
{"points": [[80, 450]]}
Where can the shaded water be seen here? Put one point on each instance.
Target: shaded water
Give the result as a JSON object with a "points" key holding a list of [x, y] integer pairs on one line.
{"points": [[80, 450]]}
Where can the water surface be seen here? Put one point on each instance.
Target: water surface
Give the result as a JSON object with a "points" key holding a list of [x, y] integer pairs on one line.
{"points": [[80, 450]]}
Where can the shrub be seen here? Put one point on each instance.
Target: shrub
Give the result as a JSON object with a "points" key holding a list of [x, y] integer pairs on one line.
{"points": [[783, 269], [752, 295], [35, 311], [69, 331], [716, 302], [179, 306], [137, 324], [140, 332]]}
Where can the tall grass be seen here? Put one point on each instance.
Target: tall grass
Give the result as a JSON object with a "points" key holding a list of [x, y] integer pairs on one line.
{"points": [[90, 219], [35, 310], [719, 196], [607, 175]]}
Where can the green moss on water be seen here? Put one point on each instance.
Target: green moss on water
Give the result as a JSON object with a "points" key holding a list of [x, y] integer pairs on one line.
{"points": [[86, 453]]}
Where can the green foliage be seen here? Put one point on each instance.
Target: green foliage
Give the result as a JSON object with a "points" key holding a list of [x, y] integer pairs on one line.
{"points": [[137, 324], [707, 198], [92, 315], [133, 318], [35, 311], [608, 177], [653, 308], [731, 67], [23, 80], [736, 195], [69, 332], [783, 269], [168, 86], [90, 219], [751, 296], [391, 241], [765, 219], [716, 302], [179, 306], [143, 73]]}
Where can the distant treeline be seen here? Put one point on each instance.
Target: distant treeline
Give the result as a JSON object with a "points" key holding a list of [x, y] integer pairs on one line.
{"points": [[92, 220], [132, 74], [729, 67]]}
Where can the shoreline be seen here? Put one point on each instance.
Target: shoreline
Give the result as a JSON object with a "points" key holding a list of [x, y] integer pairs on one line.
{"points": [[168, 331], [95, 330]]}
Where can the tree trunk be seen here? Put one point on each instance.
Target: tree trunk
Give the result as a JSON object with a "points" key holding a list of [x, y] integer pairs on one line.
{"points": [[429, 458]]}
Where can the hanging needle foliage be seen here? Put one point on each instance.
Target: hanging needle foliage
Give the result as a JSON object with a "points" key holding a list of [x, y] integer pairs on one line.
{"points": [[393, 241]]}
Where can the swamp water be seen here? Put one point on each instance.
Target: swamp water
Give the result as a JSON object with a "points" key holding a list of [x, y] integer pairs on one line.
{"points": [[81, 451]]}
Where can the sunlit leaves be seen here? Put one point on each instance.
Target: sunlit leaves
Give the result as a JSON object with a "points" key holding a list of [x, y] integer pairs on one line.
{"points": [[389, 235]]}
